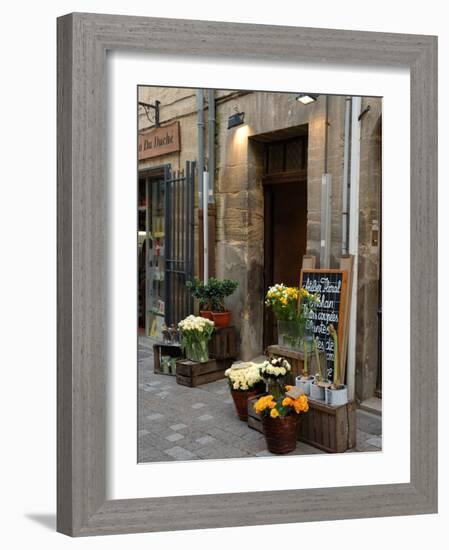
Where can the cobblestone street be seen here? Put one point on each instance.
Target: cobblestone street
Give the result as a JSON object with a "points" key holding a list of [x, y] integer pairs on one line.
{"points": [[181, 423]]}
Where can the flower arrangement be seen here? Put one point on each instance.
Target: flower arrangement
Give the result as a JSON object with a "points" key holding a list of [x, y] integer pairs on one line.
{"points": [[292, 307], [280, 415], [282, 406], [244, 382], [283, 300], [195, 335], [244, 379], [274, 371]]}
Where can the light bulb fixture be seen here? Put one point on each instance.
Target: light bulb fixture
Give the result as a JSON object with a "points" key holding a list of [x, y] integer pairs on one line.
{"points": [[306, 99], [236, 119]]}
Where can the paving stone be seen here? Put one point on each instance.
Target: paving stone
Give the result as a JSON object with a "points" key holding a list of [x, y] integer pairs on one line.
{"points": [[205, 417], [375, 442], [179, 453], [143, 432], [198, 405], [174, 437], [155, 416], [205, 440], [177, 427]]}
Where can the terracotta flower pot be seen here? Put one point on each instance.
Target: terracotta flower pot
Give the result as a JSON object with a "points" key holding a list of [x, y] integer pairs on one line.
{"points": [[222, 319], [280, 433], [241, 401], [206, 314]]}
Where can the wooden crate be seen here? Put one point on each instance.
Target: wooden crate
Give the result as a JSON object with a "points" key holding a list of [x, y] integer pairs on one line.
{"points": [[332, 429], [223, 343], [296, 360], [254, 419], [192, 374], [164, 349]]}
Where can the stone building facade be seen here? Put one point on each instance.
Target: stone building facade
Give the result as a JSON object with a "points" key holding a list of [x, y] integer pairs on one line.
{"points": [[310, 138]]}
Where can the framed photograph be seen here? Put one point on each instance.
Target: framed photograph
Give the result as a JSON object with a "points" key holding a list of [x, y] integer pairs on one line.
{"points": [[247, 274]]}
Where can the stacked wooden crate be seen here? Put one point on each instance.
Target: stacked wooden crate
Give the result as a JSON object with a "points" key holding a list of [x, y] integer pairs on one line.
{"points": [[164, 350], [331, 429], [222, 351]]}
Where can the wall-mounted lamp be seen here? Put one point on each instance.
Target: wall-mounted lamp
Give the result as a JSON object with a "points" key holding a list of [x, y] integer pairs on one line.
{"points": [[306, 99], [236, 119]]}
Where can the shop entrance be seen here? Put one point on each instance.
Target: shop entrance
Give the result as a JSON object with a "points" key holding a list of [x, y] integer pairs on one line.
{"points": [[285, 223], [165, 247]]}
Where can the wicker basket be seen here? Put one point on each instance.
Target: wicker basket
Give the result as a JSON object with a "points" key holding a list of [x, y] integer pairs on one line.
{"points": [[280, 433]]}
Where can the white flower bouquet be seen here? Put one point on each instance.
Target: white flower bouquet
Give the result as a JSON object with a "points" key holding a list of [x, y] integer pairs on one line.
{"points": [[195, 335], [244, 379], [274, 371]]}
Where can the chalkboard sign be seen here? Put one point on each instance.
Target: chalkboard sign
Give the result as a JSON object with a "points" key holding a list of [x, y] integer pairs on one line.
{"points": [[331, 287]]}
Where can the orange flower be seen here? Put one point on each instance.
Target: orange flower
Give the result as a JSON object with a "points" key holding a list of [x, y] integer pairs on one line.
{"points": [[274, 413], [287, 402], [301, 404]]}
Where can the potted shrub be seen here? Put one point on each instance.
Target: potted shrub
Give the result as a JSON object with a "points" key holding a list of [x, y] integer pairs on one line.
{"points": [[244, 382], [337, 392], [200, 292], [280, 419], [195, 335], [217, 291], [275, 371]]}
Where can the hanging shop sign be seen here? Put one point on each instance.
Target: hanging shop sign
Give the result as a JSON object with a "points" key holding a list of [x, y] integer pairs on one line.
{"points": [[159, 141], [331, 285]]}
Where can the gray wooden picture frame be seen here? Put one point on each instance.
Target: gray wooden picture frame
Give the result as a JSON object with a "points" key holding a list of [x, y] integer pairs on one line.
{"points": [[83, 40]]}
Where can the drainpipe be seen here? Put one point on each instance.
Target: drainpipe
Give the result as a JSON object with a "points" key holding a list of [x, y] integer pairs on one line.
{"points": [[326, 200], [345, 187], [201, 180], [211, 144], [354, 238]]}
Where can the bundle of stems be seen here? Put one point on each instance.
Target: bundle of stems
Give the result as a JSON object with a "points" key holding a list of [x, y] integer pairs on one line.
{"points": [[320, 376], [337, 383]]}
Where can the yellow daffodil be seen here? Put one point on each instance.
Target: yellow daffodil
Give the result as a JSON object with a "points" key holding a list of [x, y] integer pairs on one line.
{"points": [[274, 413], [287, 402]]}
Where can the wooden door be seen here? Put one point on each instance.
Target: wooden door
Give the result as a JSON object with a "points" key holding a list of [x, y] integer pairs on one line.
{"points": [[285, 240]]}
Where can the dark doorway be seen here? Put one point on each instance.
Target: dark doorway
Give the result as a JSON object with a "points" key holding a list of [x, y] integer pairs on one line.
{"points": [[285, 210]]}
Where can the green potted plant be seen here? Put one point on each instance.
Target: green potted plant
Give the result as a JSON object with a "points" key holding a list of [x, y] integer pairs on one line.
{"points": [[200, 292], [217, 291]]}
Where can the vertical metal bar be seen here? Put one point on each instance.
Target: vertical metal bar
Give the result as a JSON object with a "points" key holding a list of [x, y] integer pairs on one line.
{"points": [[187, 258], [178, 245], [172, 245], [167, 304], [183, 248], [147, 256], [192, 226]]}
